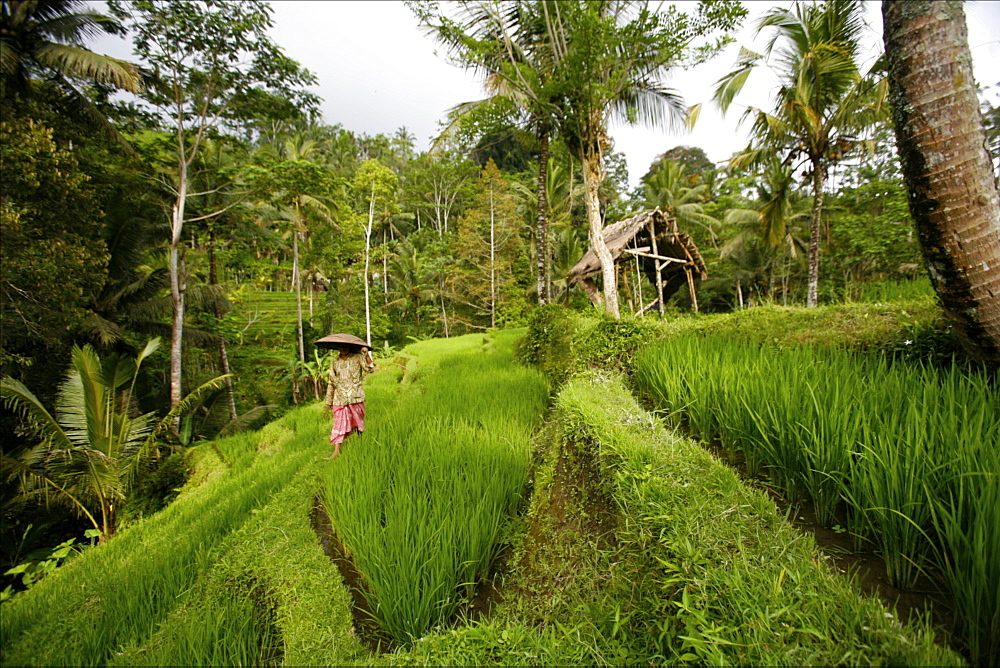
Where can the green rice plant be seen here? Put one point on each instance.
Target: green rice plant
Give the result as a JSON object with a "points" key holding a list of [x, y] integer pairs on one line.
{"points": [[895, 291], [115, 595], [966, 522], [227, 631], [419, 503], [730, 581], [902, 445]]}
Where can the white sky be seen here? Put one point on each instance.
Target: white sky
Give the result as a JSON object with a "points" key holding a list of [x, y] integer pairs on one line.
{"points": [[378, 71]]}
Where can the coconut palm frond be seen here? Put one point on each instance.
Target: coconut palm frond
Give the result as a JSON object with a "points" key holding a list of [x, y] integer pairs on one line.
{"points": [[183, 406], [85, 64], [13, 465]]}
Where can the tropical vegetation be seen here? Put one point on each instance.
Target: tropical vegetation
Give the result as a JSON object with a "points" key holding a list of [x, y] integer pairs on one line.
{"points": [[167, 504]]}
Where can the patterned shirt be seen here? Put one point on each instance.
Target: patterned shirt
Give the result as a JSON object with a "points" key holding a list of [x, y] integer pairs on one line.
{"points": [[347, 377]]}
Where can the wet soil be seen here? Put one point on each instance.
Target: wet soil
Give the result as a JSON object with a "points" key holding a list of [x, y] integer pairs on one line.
{"points": [[365, 626]]}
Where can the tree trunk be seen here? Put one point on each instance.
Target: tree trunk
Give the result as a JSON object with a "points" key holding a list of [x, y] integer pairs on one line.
{"points": [[593, 176], [177, 288], [213, 279], [493, 264], [953, 195], [297, 282], [815, 235], [444, 312], [368, 244], [542, 225]]}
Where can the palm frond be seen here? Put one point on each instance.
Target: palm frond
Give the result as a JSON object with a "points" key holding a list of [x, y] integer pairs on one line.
{"points": [[21, 400], [183, 406], [9, 463], [242, 421], [84, 64]]}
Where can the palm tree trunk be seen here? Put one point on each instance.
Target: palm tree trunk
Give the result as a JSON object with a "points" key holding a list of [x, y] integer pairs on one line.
{"points": [[593, 176], [942, 148], [542, 225], [815, 235]]}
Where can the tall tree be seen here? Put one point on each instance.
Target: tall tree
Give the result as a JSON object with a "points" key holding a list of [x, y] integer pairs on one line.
{"points": [[488, 243], [52, 256], [823, 102], [613, 57], [217, 69], [375, 185], [946, 164], [779, 208], [506, 43], [300, 199]]}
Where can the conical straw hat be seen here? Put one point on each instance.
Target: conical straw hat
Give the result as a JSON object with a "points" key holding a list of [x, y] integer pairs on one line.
{"points": [[339, 340]]}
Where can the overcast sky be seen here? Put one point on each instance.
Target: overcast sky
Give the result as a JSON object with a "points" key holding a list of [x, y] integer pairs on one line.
{"points": [[378, 71]]}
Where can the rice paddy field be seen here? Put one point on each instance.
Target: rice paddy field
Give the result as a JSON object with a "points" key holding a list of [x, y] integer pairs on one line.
{"points": [[912, 453], [486, 518]]}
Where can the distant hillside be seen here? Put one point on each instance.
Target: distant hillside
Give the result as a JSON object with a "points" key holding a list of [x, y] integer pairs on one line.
{"points": [[267, 314]]}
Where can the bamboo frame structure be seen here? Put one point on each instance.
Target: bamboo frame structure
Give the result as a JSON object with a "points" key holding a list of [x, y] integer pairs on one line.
{"points": [[667, 256]]}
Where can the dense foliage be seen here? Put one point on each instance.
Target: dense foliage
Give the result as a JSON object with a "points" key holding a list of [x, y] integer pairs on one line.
{"points": [[217, 210]]}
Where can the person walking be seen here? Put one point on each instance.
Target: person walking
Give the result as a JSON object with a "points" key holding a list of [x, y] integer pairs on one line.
{"points": [[345, 394]]}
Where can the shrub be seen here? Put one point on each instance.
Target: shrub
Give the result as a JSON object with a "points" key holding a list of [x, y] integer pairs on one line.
{"points": [[548, 343]]}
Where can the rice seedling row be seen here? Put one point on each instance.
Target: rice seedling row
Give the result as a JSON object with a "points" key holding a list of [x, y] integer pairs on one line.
{"points": [[418, 503], [116, 596], [909, 450]]}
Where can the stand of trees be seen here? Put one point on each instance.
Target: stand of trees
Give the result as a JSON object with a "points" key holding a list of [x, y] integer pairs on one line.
{"points": [[230, 188]]}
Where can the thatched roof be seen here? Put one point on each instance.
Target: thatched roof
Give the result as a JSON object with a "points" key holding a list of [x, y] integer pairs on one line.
{"points": [[632, 234]]}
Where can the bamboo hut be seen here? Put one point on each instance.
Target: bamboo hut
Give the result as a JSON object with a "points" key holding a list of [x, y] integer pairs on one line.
{"points": [[650, 244]]}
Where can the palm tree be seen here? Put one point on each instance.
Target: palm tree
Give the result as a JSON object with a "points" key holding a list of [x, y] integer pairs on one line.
{"points": [[823, 103], [411, 277], [293, 217], [506, 42], [44, 39], [953, 194], [556, 199], [293, 208], [772, 225], [669, 188], [90, 449], [612, 58]]}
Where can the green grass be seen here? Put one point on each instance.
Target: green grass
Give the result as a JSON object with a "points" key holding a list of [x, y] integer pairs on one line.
{"points": [[638, 547], [115, 595]]}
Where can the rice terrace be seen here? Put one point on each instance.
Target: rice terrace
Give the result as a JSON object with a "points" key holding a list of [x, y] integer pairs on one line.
{"points": [[280, 392]]}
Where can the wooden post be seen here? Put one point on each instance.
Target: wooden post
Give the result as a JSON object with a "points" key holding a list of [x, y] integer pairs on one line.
{"points": [[694, 297], [658, 265], [591, 289], [638, 284]]}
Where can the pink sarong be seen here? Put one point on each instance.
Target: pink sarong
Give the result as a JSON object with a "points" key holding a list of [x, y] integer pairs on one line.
{"points": [[347, 420]]}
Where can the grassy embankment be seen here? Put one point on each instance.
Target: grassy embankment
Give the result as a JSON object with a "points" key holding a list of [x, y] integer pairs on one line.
{"points": [[638, 547], [857, 407]]}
